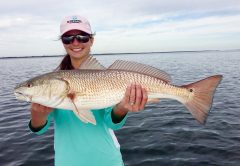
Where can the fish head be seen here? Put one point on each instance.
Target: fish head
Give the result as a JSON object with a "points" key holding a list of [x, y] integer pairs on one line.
{"points": [[42, 89]]}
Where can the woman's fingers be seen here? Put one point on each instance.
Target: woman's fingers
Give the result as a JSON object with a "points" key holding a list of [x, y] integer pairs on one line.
{"points": [[138, 98], [135, 98], [132, 98], [144, 99], [40, 108], [127, 95]]}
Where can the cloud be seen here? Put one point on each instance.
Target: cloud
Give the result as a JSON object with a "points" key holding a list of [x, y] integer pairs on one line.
{"points": [[31, 27]]}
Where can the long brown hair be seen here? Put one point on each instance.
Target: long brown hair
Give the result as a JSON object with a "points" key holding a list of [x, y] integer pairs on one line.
{"points": [[65, 64]]}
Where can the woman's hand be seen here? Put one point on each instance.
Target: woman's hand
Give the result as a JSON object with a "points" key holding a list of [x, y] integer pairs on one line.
{"points": [[39, 114], [134, 100]]}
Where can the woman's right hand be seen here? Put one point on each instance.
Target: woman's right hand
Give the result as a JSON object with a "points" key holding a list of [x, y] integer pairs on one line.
{"points": [[39, 114]]}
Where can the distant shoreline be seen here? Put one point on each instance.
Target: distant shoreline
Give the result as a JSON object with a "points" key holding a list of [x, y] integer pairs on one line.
{"points": [[100, 54]]}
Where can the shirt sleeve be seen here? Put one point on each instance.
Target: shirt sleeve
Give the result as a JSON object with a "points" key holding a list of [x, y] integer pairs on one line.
{"points": [[109, 121], [43, 129]]}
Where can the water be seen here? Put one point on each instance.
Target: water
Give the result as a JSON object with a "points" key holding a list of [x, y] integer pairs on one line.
{"points": [[164, 133]]}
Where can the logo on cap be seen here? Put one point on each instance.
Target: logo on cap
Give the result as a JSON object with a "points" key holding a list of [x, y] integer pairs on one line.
{"points": [[74, 20]]}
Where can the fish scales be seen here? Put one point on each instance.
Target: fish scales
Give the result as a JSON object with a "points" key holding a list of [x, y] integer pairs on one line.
{"points": [[102, 83]]}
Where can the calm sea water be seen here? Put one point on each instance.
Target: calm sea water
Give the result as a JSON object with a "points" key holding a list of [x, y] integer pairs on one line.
{"points": [[163, 134]]}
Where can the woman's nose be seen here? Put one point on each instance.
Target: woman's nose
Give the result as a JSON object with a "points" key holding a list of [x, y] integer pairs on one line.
{"points": [[75, 41]]}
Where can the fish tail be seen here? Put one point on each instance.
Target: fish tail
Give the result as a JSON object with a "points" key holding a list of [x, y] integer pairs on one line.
{"points": [[200, 102]]}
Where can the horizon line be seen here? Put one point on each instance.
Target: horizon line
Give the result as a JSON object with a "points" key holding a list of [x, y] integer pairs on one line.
{"points": [[123, 53]]}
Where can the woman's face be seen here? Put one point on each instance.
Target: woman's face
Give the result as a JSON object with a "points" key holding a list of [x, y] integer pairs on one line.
{"points": [[76, 49]]}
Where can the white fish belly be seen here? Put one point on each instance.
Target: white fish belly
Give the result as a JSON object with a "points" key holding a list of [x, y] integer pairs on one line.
{"points": [[103, 100]]}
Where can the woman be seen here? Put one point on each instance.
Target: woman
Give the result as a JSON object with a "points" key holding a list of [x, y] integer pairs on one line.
{"points": [[77, 143]]}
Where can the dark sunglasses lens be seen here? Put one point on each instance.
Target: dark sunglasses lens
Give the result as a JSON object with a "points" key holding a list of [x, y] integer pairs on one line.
{"points": [[82, 39], [67, 39]]}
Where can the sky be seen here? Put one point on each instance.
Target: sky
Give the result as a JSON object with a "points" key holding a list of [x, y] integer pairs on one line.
{"points": [[31, 28]]}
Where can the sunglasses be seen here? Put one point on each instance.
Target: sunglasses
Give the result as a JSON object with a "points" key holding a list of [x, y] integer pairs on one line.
{"points": [[80, 39]]}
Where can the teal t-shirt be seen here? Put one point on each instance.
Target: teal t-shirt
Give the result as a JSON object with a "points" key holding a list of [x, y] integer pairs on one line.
{"points": [[79, 144]]}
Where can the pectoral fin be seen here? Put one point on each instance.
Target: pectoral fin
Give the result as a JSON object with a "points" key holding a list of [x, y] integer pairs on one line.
{"points": [[84, 115]]}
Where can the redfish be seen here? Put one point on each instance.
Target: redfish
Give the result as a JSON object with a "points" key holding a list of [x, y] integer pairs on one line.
{"points": [[96, 87]]}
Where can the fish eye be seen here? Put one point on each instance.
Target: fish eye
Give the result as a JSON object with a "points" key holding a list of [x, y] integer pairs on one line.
{"points": [[29, 85]]}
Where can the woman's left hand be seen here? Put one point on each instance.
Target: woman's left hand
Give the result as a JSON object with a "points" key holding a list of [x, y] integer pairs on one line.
{"points": [[134, 100]]}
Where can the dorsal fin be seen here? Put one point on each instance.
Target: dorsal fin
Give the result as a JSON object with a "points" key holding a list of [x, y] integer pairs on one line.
{"points": [[91, 63], [140, 68]]}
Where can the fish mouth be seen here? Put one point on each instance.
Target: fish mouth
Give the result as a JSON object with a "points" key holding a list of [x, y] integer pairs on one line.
{"points": [[21, 96]]}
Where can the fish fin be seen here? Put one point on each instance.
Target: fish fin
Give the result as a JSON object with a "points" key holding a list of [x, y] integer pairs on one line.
{"points": [[141, 68], [153, 100], [91, 63], [200, 102], [84, 115]]}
